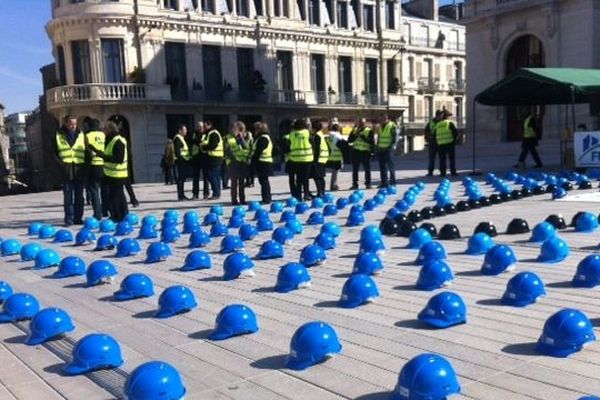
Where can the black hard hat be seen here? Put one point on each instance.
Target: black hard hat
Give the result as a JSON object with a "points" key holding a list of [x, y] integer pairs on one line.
{"points": [[400, 218], [567, 186], [516, 194], [429, 227], [438, 211], [557, 220], [486, 227], [550, 188], [427, 213], [539, 189], [585, 185], [463, 205], [449, 232], [414, 216], [474, 203], [575, 217], [526, 192], [495, 198], [506, 197], [388, 227], [406, 228], [516, 226], [485, 201], [450, 208]]}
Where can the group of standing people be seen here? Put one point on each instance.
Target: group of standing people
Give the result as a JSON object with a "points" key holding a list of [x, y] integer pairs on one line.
{"points": [[96, 161], [441, 136]]}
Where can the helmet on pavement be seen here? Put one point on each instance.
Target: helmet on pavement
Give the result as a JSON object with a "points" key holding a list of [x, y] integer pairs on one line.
{"points": [[19, 306], [479, 244], [587, 222], [154, 380], [565, 332], [449, 232], [427, 212], [332, 228], [282, 235], [247, 232], [542, 232], [418, 238], [311, 344], [47, 232], [235, 221], [557, 220], [584, 184], [434, 275], [414, 216], [106, 242], [388, 226], [237, 265], [147, 232], [427, 376], [291, 202], [553, 250], [402, 205], [372, 244], [128, 247], [34, 228], [443, 310], [523, 289], [588, 272], [558, 193], [70, 266], [253, 205], [199, 238], [124, 228], [486, 227], [429, 227], [175, 300], [170, 234], [325, 240], [46, 258], [210, 219], [367, 263], [100, 271], [260, 214], [264, 224], [286, 216], [5, 291], [431, 251], [197, 259], [218, 229], [217, 209], [517, 226], [234, 320], [10, 247], [341, 203], [107, 226], [92, 352], [150, 220], [312, 255], [292, 276], [269, 250], [132, 218], [48, 324], [30, 250], [91, 223], [63, 236], [498, 259], [294, 226], [84, 236], [157, 251], [317, 202], [330, 210], [240, 211], [277, 207], [354, 198], [231, 243], [135, 286], [370, 204], [358, 290], [450, 208], [355, 219], [301, 208], [315, 218], [406, 228], [370, 231], [463, 205]]}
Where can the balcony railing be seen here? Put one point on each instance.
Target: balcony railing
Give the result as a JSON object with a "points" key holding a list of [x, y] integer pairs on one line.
{"points": [[457, 85], [429, 85], [287, 97], [123, 92]]}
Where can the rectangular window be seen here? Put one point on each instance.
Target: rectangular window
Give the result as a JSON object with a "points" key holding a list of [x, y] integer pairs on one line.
{"points": [[356, 8], [330, 11], [301, 9], [342, 14], [317, 72], [285, 8], [411, 108], [176, 70], [170, 4], [314, 12], [411, 69], [277, 8], [242, 8], [393, 82], [458, 71], [429, 107], [368, 20], [345, 76], [62, 72], [390, 14], [208, 6], [82, 72], [213, 78], [458, 110], [258, 5], [285, 80], [245, 68], [371, 76], [407, 34], [113, 60]]}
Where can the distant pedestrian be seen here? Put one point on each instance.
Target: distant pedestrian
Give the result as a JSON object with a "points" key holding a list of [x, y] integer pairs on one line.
{"points": [[386, 144], [116, 170], [196, 158], [362, 141], [336, 159], [445, 138], [182, 160], [212, 148], [237, 158], [250, 137], [431, 142], [320, 157], [300, 156], [96, 139], [262, 159], [531, 138], [167, 163]]}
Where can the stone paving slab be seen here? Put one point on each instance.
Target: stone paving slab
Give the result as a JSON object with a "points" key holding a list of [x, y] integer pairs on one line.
{"points": [[493, 353]]}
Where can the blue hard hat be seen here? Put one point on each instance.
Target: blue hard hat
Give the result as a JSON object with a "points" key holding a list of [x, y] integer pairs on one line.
{"points": [[231, 243], [588, 272], [367, 263], [48, 324], [282, 235], [277, 207], [210, 219], [170, 234], [70, 266], [370, 231], [586, 222], [46, 258], [357, 208], [235, 222], [217, 209], [30, 250], [292, 276], [191, 217], [434, 275], [315, 218], [355, 219], [128, 247], [34, 228], [301, 208], [542, 232], [270, 249], [248, 232], [84, 236], [443, 310], [135, 286], [10, 247], [479, 244], [132, 218], [197, 259], [154, 380], [294, 226], [63, 236], [341, 203], [427, 376], [124, 228], [431, 251], [392, 190], [332, 228], [47, 232], [107, 226], [393, 213], [199, 238], [291, 202], [106, 242], [100, 271], [237, 265], [370, 205], [312, 255], [264, 224], [402, 205], [150, 220], [286, 216], [418, 238], [317, 202], [254, 205], [19, 306], [354, 198], [311, 344], [370, 244], [218, 229], [157, 251], [191, 226], [147, 232], [5, 291], [559, 193], [330, 210], [379, 198], [234, 320], [261, 214], [240, 211], [553, 250], [523, 289], [565, 332], [589, 398], [325, 240], [91, 223], [175, 300], [92, 352], [358, 290], [328, 198], [498, 259], [169, 222], [171, 214]]}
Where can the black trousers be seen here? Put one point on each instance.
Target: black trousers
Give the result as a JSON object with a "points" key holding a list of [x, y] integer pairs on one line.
{"points": [[263, 171], [300, 173], [387, 165], [431, 153], [443, 151], [73, 201], [182, 174], [238, 190], [117, 202], [318, 175], [529, 146], [195, 170], [361, 158], [132, 198]]}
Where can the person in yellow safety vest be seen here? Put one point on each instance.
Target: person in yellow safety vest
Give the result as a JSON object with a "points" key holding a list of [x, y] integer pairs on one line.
{"points": [[237, 157], [96, 140], [182, 160], [262, 159], [336, 158], [284, 146], [430, 140], [212, 148], [300, 156], [249, 136], [320, 157], [69, 151], [196, 159], [362, 141], [386, 144], [531, 137], [445, 139]]}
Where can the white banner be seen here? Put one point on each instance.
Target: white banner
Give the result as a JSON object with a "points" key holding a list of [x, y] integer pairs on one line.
{"points": [[587, 149]]}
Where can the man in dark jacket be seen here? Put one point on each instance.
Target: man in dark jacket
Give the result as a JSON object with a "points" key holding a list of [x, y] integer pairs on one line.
{"points": [[212, 147], [362, 140], [262, 159], [197, 160], [531, 137]]}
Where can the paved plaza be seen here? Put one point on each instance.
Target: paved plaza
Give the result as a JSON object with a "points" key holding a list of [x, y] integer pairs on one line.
{"points": [[493, 354]]}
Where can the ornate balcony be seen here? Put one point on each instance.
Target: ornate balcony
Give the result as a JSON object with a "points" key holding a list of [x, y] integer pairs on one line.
{"points": [[457, 85], [429, 85]]}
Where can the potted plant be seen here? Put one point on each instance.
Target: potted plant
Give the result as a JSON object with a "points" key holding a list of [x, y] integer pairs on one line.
{"points": [[394, 86], [138, 75]]}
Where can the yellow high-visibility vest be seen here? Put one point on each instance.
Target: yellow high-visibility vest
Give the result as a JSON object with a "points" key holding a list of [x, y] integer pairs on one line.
{"points": [[443, 134], [112, 169], [528, 131], [217, 151], [300, 147], [323, 149], [267, 153], [97, 139], [385, 136], [361, 144], [68, 154], [239, 153], [336, 153], [185, 151]]}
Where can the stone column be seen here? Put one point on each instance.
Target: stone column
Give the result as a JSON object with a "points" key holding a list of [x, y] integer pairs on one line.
{"points": [[96, 65]]}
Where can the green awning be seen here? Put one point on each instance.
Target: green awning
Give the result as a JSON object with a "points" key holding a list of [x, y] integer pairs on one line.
{"points": [[537, 86]]}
